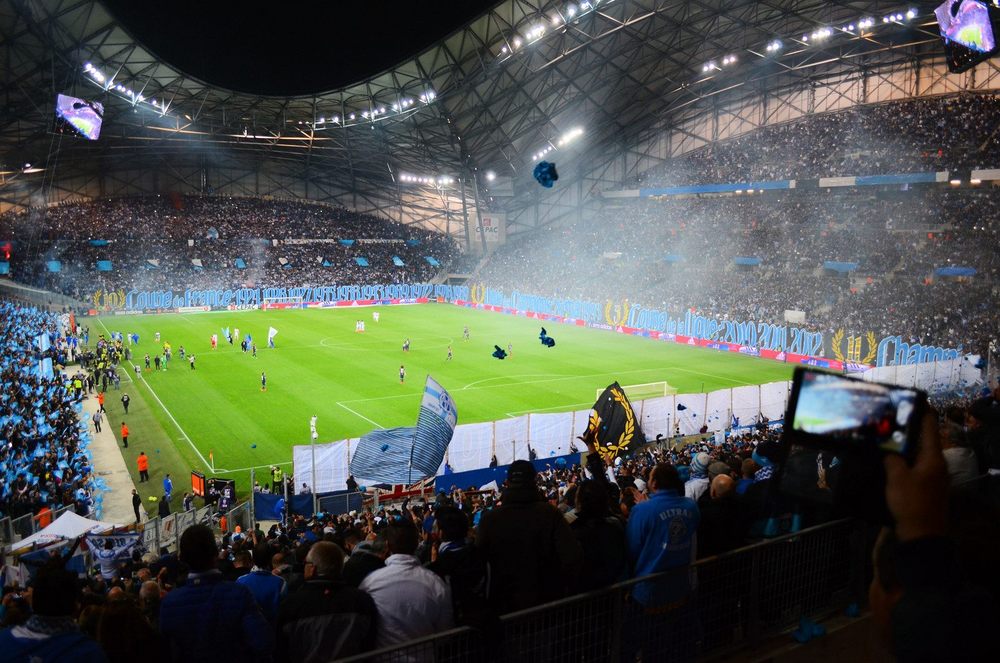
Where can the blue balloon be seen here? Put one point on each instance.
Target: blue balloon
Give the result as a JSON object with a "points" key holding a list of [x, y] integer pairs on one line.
{"points": [[546, 174]]}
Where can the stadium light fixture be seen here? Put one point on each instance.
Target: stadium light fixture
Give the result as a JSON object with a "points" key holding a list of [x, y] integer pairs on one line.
{"points": [[955, 182], [571, 11], [490, 176], [911, 14], [774, 46], [974, 181], [556, 21]]}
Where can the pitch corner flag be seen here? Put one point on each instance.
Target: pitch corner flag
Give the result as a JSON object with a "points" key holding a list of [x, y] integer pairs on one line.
{"points": [[615, 422]]}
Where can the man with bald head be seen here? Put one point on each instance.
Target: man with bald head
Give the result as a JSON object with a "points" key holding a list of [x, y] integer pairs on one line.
{"points": [[149, 601], [721, 528], [326, 618]]}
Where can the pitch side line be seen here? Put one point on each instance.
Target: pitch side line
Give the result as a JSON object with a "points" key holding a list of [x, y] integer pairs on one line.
{"points": [[520, 375], [185, 435]]}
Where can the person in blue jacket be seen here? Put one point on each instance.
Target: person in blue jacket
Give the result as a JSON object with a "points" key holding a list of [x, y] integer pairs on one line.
{"points": [[210, 618], [661, 540]]}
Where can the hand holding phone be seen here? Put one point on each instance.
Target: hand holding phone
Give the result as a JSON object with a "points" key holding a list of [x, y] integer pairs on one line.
{"points": [[917, 496]]}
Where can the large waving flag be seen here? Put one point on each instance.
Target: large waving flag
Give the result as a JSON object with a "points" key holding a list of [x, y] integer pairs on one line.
{"points": [[271, 333], [405, 455], [614, 420]]}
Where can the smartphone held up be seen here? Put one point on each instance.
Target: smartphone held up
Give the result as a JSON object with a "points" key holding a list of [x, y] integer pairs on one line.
{"points": [[837, 431]]}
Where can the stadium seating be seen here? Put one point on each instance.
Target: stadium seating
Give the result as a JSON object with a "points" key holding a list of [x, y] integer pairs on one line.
{"points": [[678, 254], [44, 457], [182, 242]]}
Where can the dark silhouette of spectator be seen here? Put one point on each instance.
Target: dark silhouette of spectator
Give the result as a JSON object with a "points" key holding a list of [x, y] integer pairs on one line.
{"points": [[210, 618], [326, 618]]}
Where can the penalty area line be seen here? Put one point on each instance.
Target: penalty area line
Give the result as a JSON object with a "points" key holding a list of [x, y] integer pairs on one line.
{"points": [[356, 413], [247, 469]]}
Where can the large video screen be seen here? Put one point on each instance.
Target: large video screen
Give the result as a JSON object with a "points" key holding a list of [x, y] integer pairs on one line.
{"points": [[967, 31], [79, 117]]}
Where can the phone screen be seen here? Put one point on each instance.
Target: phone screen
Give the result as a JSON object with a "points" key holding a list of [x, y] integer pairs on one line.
{"points": [[853, 411]]}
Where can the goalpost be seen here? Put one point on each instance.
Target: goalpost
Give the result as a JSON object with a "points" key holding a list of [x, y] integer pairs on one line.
{"points": [[638, 392], [281, 302]]}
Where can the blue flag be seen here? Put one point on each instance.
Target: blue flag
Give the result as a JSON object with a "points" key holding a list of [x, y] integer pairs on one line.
{"points": [[405, 455]]}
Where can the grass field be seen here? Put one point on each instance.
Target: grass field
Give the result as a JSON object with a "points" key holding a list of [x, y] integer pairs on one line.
{"points": [[350, 381]]}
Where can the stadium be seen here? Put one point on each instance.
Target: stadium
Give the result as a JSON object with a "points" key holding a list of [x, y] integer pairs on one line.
{"points": [[455, 332]]}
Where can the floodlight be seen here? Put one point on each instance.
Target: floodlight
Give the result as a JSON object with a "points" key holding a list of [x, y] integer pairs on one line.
{"points": [[490, 176], [571, 11]]}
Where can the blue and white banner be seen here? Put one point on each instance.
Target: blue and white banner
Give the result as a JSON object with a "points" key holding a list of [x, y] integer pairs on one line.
{"points": [[435, 426], [409, 454], [122, 545]]}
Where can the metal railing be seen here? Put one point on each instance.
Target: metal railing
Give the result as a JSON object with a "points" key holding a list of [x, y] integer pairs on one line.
{"points": [[740, 597]]}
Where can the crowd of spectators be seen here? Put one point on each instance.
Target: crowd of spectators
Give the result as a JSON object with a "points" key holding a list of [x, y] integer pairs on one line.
{"points": [[327, 586], [945, 133], [44, 461], [677, 255], [181, 242]]}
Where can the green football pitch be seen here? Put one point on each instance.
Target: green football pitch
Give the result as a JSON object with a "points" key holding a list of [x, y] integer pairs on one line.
{"points": [[218, 415]]}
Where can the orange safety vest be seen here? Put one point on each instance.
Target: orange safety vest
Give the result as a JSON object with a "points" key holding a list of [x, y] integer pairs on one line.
{"points": [[100, 398], [143, 462], [124, 430]]}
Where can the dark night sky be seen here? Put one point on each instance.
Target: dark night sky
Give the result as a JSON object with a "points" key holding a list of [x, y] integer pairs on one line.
{"points": [[290, 48]]}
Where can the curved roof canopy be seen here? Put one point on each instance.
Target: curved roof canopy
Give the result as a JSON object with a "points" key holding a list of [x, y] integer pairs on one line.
{"points": [[526, 79]]}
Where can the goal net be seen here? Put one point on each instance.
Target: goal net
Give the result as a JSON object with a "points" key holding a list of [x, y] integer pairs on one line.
{"points": [[638, 392], [281, 302]]}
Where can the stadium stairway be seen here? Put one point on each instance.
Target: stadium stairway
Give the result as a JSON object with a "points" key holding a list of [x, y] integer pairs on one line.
{"points": [[109, 465]]}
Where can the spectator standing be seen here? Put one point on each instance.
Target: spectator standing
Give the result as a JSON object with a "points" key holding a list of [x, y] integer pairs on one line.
{"points": [[721, 527], [367, 556], [533, 556], [326, 618], [125, 402], [454, 559], [51, 633], [209, 618], [696, 486], [267, 589], [661, 538], [601, 536], [97, 421], [412, 601]]}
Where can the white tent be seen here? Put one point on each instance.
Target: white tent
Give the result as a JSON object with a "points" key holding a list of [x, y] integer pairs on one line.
{"points": [[68, 526]]}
